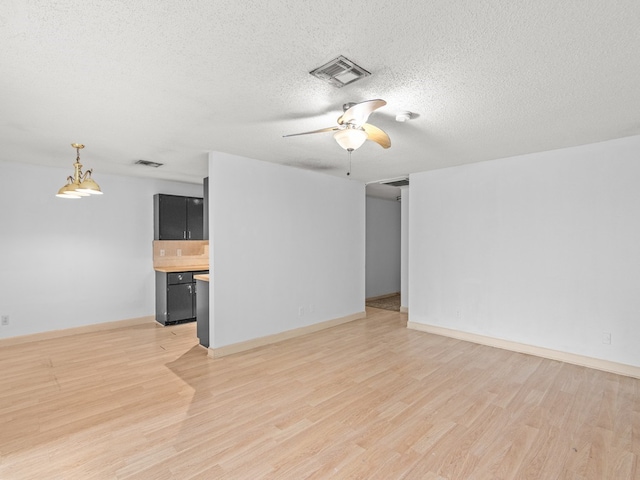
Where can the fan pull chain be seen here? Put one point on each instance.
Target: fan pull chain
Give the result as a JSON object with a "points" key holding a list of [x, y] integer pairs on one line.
{"points": [[349, 150]]}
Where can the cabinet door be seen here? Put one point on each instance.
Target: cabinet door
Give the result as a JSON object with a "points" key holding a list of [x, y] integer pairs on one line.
{"points": [[195, 218], [202, 312], [180, 299], [170, 217]]}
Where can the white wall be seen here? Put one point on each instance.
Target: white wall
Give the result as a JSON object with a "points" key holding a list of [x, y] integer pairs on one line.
{"points": [[383, 247], [286, 251], [69, 263], [542, 249]]}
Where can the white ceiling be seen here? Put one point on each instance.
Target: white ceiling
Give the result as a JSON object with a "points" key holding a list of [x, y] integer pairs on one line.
{"points": [[169, 81]]}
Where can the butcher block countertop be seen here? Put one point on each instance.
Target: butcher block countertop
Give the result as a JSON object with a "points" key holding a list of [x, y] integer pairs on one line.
{"points": [[203, 276], [183, 268]]}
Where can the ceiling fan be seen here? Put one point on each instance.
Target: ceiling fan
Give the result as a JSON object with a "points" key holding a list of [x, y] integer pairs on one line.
{"points": [[352, 130]]}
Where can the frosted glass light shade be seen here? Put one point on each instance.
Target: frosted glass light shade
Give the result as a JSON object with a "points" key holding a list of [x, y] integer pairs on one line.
{"points": [[350, 138]]}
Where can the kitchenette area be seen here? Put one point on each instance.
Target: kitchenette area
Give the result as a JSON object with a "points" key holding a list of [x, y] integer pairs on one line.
{"points": [[181, 262]]}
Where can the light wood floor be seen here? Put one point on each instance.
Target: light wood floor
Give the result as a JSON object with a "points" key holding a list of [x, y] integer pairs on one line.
{"points": [[369, 399]]}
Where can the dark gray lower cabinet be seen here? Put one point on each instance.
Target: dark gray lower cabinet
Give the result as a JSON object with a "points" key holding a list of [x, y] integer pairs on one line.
{"points": [[202, 311], [176, 297]]}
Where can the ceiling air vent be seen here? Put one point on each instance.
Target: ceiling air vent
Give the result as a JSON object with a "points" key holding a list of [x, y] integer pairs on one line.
{"points": [[147, 163], [340, 72], [397, 183]]}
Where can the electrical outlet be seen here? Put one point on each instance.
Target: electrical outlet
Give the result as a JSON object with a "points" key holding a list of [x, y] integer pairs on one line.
{"points": [[312, 308], [5, 319], [606, 338], [162, 253], [179, 252], [300, 311]]}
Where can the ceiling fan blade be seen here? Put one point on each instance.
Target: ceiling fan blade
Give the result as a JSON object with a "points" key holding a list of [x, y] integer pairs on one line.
{"points": [[359, 113], [376, 135], [328, 129]]}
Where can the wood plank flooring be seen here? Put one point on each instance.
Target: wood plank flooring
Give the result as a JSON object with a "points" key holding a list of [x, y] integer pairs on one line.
{"points": [[369, 399]]}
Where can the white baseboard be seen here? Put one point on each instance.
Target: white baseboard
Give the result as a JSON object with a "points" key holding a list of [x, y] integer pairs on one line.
{"points": [[278, 337], [404, 309], [596, 363], [97, 327]]}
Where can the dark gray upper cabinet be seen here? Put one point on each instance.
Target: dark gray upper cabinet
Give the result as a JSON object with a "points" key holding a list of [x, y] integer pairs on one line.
{"points": [[195, 218], [177, 218]]}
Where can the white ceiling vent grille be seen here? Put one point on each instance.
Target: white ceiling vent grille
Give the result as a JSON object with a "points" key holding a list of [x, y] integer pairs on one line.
{"points": [[340, 72], [148, 163]]}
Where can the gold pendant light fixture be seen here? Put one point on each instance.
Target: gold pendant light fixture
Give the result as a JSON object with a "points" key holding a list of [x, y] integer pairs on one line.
{"points": [[80, 184]]}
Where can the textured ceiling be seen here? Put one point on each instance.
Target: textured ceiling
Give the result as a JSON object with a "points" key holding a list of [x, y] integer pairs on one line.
{"points": [[168, 81]]}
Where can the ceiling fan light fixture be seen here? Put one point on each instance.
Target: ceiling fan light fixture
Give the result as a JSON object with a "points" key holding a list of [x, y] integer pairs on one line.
{"points": [[352, 130], [350, 138]]}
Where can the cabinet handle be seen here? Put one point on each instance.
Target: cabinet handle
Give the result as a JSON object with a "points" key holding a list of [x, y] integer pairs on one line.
{"points": [[184, 235], [189, 234]]}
